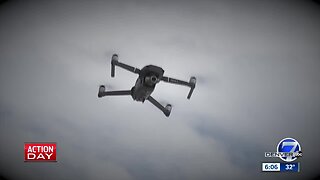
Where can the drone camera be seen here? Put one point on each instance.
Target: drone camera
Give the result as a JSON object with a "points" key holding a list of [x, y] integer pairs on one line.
{"points": [[154, 79], [151, 80]]}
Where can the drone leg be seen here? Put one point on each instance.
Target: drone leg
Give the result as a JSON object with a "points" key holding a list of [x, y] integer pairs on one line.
{"points": [[115, 62], [166, 110], [102, 92], [191, 83]]}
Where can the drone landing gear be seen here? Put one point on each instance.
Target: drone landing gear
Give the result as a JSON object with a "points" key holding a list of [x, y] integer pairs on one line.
{"points": [[166, 110], [102, 92]]}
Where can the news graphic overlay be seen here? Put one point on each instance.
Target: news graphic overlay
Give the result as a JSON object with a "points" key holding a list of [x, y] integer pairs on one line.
{"points": [[40, 152], [288, 150], [271, 167], [281, 167], [289, 146]]}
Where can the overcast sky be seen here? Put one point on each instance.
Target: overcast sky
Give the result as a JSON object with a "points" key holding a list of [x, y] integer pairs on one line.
{"points": [[258, 69]]}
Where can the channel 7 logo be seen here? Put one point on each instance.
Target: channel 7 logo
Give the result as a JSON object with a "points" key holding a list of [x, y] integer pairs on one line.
{"points": [[288, 150]]}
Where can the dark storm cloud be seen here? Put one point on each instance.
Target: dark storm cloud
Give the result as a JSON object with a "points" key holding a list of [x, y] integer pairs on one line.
{"points": [[257, 65]]}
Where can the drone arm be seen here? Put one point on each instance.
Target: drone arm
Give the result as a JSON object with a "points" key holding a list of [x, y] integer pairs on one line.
{"points": [[174, 81], [191, 83], [115, 93], [115, 62], [166, 110], [102, 92]]}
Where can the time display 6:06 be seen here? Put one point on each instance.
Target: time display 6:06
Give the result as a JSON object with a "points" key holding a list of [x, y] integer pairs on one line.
{"points": [[270, 166]]}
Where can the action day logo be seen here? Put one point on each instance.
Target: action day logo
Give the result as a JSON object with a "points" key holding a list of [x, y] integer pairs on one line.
{"points": [[40, 152], [288, 150]]}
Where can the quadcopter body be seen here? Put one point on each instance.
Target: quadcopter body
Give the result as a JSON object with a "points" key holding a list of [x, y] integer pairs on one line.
{"points": [[149, 76]]}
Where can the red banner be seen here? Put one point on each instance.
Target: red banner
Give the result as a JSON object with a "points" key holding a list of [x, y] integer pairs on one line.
{"points": [[37, 152]]}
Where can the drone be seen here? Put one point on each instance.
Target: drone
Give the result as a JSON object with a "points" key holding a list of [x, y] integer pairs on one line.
{"points": [[149, 76]]}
